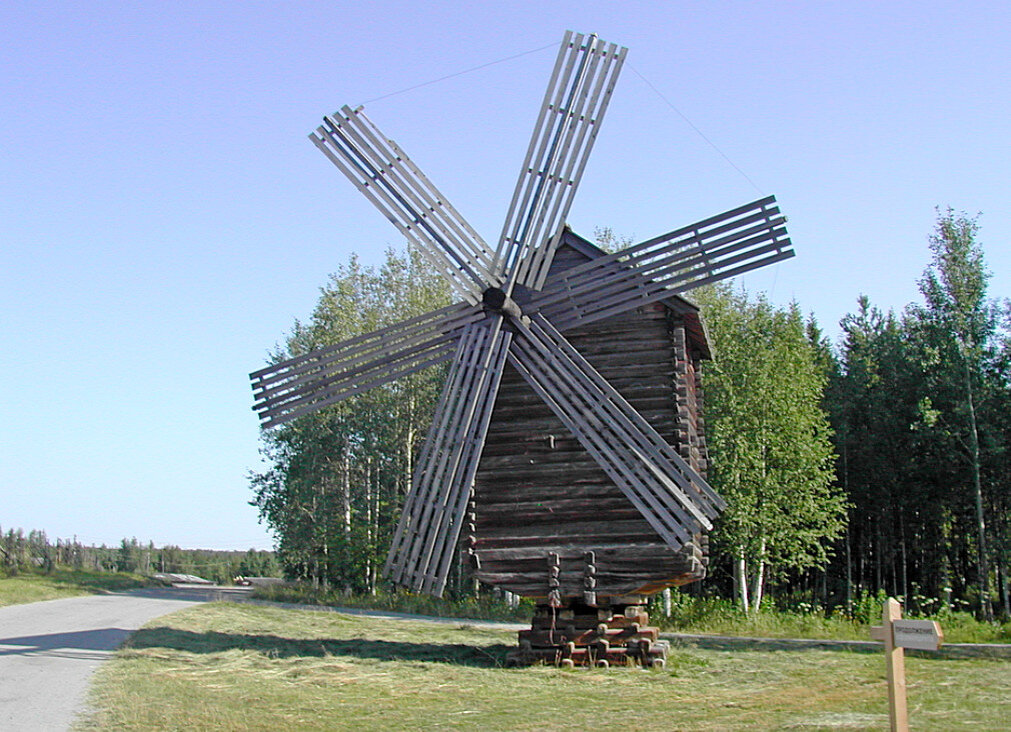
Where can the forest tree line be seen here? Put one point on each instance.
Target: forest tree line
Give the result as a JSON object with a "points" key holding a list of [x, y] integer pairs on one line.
{"points": [[35, 551], [875, 464]]}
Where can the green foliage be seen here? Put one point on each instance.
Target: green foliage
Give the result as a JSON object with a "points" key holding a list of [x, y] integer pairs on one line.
{"points": [[919, 404], [768, 437], [605, 238], [336, 479], [258, 564], [789, 617], [879, 466], [35, 553]]}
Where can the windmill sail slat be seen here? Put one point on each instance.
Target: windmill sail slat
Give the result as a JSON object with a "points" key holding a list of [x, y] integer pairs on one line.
{"points": [[591, 434], [422, 550], [545, 237], [412, 205], [655, 446], [443, 481], [395, 562], [423, 193], [629, 288], [714, 231], [553, 183], [763, 209], [436, 476], [573, 107], [541, 262], [627, 293], [369, 380], [446, 544], [455, 224], [627, 448], [328, 370], [390, 178], [666, 265], [345, 162], [444, 320], [326, 376], [506, 252], [390, 174]]}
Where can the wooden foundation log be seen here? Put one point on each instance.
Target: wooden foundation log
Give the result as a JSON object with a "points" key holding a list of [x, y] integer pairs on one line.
{"points": [[580, 635]]}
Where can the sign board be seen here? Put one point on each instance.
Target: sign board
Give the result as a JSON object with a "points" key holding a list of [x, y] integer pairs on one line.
{"points": [[898, 634], [924, 635]]}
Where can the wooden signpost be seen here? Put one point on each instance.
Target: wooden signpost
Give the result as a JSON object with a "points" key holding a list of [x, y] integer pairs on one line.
{"points": [[899, 634]]}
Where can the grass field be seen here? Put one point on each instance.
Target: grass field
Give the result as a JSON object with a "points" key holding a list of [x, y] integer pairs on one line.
{"points": [[238, 667], [61, 582]]}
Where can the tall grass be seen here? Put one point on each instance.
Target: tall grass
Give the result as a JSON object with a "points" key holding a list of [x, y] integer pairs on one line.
{"points": [[34, 586], [718, 616], [479, 608]]}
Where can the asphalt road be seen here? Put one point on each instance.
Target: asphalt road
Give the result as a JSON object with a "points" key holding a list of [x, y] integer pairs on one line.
{"points": [[49, 650]]}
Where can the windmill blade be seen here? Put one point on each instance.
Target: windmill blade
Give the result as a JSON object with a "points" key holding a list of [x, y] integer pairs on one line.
{"points": [[307, 383], [422, 550], [726, 245], [675, 500], [577, 96], [395, 185]]}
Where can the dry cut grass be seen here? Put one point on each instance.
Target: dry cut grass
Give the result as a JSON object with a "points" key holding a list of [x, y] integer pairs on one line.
{"points": [[243, 667]]}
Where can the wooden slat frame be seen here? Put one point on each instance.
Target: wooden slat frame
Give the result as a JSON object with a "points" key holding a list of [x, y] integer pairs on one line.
{"points": [[325, 393], [421, 553], [443, 319], [593, 302], [316, 379], [394, 184], [544, 222], [604, 449], [647, 470], [575, 101], [662, 454], [717, 248], [440, 212]]}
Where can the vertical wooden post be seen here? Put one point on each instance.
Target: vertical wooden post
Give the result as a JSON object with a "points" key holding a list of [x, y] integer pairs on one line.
{"points": [[895, 657]]}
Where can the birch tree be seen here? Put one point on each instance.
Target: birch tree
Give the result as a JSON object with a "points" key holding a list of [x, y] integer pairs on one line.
{"points": [[957, 329], [768, 436], [335, 480]]}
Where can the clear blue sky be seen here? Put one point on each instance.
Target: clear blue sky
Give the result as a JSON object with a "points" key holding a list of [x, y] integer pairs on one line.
{"points": [[164, 219]]}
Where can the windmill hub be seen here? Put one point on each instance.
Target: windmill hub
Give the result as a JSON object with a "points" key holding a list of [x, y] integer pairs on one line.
{"points": [[498, 301]]}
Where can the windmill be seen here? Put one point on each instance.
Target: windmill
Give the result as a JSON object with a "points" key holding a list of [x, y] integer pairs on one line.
{"points": [[510, 313]]}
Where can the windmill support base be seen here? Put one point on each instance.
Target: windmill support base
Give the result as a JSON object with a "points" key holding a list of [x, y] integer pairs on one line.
{"points": [[576, 634]]}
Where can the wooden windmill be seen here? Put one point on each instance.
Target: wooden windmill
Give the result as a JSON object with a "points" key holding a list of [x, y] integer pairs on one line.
{"points": [[514, 308]]}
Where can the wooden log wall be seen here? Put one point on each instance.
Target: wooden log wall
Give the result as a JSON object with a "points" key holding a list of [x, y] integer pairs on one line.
{"points": [[538, 493]]}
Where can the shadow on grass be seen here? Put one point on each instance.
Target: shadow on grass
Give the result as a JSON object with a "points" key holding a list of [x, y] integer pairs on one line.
{"points": [[735, 643], [741, 644], [280, 647]]}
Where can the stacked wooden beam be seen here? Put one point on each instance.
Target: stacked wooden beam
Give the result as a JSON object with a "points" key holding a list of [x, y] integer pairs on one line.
{"points": [[578, 634]]}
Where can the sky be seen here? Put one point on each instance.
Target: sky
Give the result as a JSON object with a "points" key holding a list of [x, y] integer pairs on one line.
{"points": [[164, 219]]}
